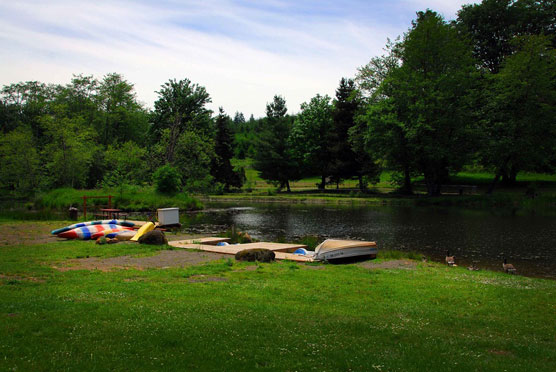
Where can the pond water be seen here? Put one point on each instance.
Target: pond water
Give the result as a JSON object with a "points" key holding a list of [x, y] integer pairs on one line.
{"points": [[482, 237]]}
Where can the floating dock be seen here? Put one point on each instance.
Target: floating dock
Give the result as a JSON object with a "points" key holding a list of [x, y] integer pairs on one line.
{"points": [[282, 251]]}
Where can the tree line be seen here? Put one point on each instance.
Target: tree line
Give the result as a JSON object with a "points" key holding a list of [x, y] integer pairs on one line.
{"points": [[94, 133], [479, 91]]}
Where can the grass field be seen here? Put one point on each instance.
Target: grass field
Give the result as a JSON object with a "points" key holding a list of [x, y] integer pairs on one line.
{"points": [[282, 316]]}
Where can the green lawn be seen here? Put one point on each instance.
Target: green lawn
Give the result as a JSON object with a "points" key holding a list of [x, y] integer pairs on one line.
{"points": [[386, 184], [281, 316]]}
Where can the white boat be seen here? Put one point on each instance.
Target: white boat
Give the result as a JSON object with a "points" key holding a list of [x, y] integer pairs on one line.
{"points": [[332, 249]]}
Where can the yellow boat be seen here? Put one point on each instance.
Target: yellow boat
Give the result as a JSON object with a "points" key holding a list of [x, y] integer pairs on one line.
{"points": [[149, 226]]}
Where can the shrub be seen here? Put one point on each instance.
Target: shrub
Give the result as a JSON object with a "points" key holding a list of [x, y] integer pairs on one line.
{"points": [[167, 179]]}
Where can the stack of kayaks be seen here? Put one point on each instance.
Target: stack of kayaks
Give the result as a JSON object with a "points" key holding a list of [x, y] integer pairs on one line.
{"points": [[96, 229]]}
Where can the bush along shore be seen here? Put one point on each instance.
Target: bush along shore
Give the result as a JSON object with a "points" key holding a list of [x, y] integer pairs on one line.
{"points": [[130, 199]]}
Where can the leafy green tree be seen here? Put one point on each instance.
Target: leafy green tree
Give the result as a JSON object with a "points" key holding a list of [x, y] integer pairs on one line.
{"points": [[273, 157], [69, 152], [312, 137], [522, 107], [19, 165], [222, 170], [371, 76], [346, 163], [493, 24], [167, 179], [126, 163], [180, 108], [422, 108], [23, 104], [193, 159], [122, 118], [436, 81]]}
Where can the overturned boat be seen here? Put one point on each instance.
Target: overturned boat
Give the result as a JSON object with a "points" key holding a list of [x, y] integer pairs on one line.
{"points": [[332, 249]]}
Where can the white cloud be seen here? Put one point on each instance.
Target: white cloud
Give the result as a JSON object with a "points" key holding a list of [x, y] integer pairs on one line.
{"points": [[242, 55]]}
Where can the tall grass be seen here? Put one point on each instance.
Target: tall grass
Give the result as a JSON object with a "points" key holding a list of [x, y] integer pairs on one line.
{"points": [[131, 198]]}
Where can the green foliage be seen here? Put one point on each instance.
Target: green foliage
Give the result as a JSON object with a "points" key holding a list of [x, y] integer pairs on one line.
{"points": [[273, 156], [222, 170], [493, 24], [69, 152], [126, 164], [133, 198], [521, 108], [420, 118], [19, 165], [311, 138], [348, 160], [180, 108], [167, 179]]}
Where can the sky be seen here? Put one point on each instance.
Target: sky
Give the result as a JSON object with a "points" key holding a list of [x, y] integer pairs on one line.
{"points": [[242, 51]]}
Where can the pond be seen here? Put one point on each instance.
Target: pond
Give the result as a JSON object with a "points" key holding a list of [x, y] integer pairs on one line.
{"points": [[481, 237]]}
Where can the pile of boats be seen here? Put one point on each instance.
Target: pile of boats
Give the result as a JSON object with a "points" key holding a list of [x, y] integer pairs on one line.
{"points": [[118, 229]]}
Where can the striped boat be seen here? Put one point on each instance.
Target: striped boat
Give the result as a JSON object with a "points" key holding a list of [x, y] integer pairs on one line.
{"points": [[89, 223], [91, 231]]}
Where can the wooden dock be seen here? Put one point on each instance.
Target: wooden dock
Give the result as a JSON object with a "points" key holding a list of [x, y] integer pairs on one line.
{"points": [[281, 251]]}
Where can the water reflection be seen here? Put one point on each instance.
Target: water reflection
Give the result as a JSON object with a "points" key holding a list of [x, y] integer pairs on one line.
{"points": [[479, 237]]}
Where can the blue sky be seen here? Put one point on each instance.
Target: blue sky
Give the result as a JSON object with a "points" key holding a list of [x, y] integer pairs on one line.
{"points": [[242, 51]]}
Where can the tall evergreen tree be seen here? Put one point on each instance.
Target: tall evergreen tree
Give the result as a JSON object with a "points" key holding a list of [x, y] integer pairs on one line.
{"points": [[346, 163], [273, 157], [222, 170]]}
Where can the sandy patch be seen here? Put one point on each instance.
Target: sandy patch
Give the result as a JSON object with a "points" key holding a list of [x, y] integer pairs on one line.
{"points": [[28, 233], [393, 264], [165, 259]]}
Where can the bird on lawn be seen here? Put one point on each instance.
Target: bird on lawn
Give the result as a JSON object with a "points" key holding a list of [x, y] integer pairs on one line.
{"points": [[450, 260], [473, 267], [509, 268]]}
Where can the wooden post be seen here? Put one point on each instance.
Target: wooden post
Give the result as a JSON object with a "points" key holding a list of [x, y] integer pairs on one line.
{"points": [[109, 201]]}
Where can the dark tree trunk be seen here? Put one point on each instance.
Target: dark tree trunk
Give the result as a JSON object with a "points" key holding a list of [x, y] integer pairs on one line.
{"points": [[499, 173], [432, 181], [509, 177], [407, 188], [322, 184], [494, 183], [288, 186], [361, 186]]}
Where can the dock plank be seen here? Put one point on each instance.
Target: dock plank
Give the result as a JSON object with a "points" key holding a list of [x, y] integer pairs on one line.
{"points": [[233, 249], [207, 240]]}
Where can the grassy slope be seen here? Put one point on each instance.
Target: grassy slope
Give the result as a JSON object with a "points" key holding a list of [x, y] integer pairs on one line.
{"points": [[281, 316], [382, 193]]}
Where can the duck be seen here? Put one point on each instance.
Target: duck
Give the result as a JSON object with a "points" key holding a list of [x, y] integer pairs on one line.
{"points": [[509, 268], [450, 260], [473, 268]]}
